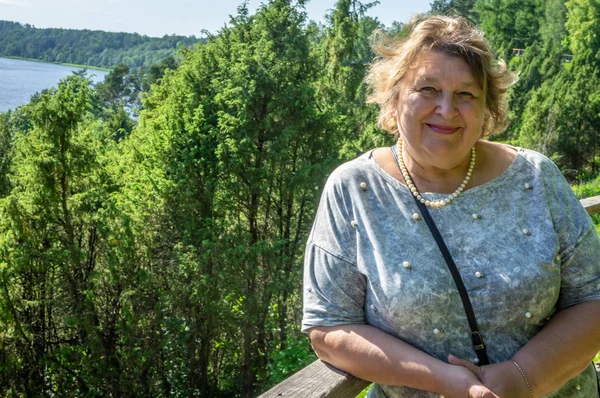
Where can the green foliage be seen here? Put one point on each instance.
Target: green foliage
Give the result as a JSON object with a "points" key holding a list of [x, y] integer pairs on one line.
{"points": [[297, 354], [582, 20], [558, 109], [463, 8], [50, 233], [588, 188], [162, 255], [85, 47], [364, 393], [510, 24]]}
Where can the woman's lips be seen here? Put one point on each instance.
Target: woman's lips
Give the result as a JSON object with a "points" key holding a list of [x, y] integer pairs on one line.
{"points": [[442, 129]]}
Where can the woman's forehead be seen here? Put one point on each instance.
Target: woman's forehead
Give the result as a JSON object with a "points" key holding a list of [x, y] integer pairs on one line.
{"points": [[437, 67]]}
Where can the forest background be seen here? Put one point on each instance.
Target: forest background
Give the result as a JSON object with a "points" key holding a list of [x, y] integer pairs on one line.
{"points": [[152, 226]]}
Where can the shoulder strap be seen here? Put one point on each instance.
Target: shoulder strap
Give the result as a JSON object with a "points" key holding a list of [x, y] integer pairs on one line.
{"points": [[476, 336]]}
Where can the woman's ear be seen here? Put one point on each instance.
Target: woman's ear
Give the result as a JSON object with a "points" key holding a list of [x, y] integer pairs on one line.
{"points": [[486, 125]]}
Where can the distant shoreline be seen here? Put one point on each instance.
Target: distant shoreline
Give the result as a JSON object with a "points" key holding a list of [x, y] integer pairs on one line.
{"points": [[56, 63]]}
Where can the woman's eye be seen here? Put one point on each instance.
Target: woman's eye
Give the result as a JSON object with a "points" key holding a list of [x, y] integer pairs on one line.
{"points": [[428, 89], [465, 94]]}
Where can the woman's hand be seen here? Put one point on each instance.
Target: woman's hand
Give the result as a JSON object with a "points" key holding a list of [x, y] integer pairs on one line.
{"points": [[503, 378], [464, 383]]}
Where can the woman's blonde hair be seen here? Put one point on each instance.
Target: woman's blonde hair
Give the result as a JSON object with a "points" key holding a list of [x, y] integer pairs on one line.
{"points": [[448, 35]]}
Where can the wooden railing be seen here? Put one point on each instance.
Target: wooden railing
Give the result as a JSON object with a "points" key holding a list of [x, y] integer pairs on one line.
{"points": [[320, 379]]}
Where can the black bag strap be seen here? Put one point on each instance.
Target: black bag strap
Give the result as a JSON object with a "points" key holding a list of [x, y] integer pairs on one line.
{"points": [[476, 336]]}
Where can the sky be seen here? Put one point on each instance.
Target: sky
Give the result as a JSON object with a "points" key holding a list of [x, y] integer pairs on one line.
{"points": [[160, 17]]}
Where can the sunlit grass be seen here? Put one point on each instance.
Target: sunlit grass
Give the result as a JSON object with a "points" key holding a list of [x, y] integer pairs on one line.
{"points": [[365, 392]]}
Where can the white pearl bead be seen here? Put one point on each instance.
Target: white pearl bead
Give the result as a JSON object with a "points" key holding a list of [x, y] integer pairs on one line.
{"points": [[476, 216], [578, 387], [528, 314], [354, 223], [475, 361], [406, 265], [478, 274], [527, 186], [437, 331], [416, 216], [526, 232], [439, 203], [363, 185]]}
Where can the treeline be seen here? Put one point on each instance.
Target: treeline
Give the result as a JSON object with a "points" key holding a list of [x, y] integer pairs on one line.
{"points": [[88, 47], [163, 256]]}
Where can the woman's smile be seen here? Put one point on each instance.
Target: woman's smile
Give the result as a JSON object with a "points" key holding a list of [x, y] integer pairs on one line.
{"points": [[441, 129]]}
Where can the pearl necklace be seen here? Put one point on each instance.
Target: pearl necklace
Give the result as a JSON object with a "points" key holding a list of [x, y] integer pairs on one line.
{"points": [[436, 204]]}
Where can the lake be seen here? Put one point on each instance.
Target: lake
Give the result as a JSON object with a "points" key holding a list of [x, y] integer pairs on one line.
{"points": [[20, 79]]}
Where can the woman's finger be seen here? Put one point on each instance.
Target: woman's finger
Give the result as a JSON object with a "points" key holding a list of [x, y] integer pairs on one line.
{"points": [[464, 363], [481, 392]]}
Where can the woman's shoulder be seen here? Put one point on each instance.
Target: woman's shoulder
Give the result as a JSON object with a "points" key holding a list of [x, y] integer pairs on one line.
{"points": [[505, 156], [350, 170]]}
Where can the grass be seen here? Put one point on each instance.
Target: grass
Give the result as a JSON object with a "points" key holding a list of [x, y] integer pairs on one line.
{"points": [[365, 392], [587, 189]]}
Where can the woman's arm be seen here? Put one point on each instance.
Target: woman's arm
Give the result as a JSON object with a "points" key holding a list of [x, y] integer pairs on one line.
{"points": [[559, 352], [371, 354], [563, 348]]}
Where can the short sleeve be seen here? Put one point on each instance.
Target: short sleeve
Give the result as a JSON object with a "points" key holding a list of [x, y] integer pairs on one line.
{"points": [[334, 288], [579, 245]]}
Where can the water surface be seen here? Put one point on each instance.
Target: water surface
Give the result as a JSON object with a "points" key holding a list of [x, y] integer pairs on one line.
{"points": [[20, 79]]}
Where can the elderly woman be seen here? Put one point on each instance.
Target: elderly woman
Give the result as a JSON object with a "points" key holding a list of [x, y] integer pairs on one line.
{"points": [[380, 301]]}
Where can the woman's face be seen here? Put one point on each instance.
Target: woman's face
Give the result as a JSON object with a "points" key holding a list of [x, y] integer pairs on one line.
{"points": [[440, 110]]}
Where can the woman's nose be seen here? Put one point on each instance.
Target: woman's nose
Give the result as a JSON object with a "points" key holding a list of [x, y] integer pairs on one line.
{"points": [[446, 106]]}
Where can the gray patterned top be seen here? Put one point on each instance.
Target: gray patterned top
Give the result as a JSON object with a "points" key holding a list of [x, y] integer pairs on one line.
{"points": [[530, 250]]}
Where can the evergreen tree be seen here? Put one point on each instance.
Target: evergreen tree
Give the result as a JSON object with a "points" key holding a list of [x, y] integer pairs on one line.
{"points": [[50, 238]]}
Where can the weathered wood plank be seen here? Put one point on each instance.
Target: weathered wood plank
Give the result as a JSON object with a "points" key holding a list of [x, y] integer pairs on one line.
{"points": [[317, 380], [591, 205], [320, 379]]}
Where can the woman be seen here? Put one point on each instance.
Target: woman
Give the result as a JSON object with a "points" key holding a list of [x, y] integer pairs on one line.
{"points": [[379, 300]]}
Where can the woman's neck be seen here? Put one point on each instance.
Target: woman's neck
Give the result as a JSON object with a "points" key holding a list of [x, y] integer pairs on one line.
{"points": [[431, 178]]}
